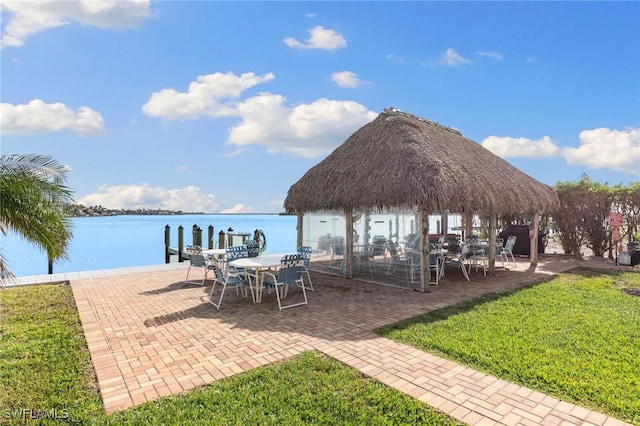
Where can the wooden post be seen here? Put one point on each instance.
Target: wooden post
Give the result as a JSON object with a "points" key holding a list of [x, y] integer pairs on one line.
{"points": [[299, 229], [221, 244], [533, 240], [349, 248], [196, 236], [167, 241], [493, 224], [425, 248], [180, 242], [210, 237], [468, 225]]}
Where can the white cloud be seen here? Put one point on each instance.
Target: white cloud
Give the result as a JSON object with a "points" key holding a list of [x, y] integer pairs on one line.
{"points": [[396, 59], [320, 38], [38, 117], [452, 58], [204, 96], [240, 208], [532, 59], [26, 18], [521, 147], [307, 130], [182, 169], [346, 79], [606, 148], [188, 199], [599, 148], [491, 54], [231, 154]]}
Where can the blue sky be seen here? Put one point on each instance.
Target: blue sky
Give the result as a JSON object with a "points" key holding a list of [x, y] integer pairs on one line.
{"points": [[222, 106]]}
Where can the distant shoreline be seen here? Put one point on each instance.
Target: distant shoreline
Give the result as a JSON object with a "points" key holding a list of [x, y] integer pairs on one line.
{"points": [[78, 210]]}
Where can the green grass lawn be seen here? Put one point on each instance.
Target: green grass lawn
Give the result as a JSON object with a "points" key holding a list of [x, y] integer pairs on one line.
{"points": [[576, 337], [46, 372]]}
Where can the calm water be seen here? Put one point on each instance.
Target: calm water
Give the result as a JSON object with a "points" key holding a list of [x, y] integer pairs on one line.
{"points": [[123, 241]]}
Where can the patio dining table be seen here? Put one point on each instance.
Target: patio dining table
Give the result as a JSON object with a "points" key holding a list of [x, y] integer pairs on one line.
{"points": [[258, 264]]}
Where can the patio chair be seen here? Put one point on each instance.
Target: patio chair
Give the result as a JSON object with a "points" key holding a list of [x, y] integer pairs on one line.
{"points": [[459, 261], [479, 258], [289, 274], [436, 266], [197, 260], [378, 246], [398, 258], [236, 252], [507, 250], [338, 251], [305, 252], [453, 246], [240, 281]]}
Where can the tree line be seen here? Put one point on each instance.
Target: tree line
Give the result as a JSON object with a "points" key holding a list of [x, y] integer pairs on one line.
{"points": [[583, 217]]}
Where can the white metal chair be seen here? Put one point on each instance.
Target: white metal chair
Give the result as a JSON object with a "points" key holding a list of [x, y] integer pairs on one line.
{"points": [[197, 260], [289, 274], [397, 257], [229, 279], [459, 261], [507, 250], [305, 252], [479, 258], [435, 265]]}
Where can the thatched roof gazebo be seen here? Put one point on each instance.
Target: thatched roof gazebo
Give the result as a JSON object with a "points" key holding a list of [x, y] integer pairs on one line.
{"points": [[403, 161]]}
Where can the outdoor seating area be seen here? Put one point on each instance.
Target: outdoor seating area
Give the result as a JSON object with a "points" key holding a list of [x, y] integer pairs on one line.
{"points": [[247, 270], [150, 335], [397, 263]]}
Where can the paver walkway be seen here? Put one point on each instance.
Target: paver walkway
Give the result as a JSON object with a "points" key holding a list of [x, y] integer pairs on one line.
{"points": [[150, 335]]}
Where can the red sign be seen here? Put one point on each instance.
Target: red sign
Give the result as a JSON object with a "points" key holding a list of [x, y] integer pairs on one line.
{"points": [[615, 220]]}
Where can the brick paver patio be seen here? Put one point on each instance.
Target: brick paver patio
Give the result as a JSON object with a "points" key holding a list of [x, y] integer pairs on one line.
{"points": [[150, 335]]}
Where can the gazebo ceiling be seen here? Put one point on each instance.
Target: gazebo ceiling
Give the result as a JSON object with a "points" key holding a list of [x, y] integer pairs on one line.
{"points": [[403, 161]]}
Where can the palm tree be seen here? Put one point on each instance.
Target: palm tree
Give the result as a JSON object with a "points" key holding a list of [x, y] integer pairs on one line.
{"points": [[33, 200]]}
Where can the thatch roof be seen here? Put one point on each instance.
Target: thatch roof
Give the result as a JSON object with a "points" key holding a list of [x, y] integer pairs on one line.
{"points": [[402, 161]]}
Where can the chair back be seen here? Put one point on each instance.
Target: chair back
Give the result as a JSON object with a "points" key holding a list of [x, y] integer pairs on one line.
{"points": [[290, 268], [464, 252], [217, 270], [196, 258], [236, 252], [453, 246], [253, 249], [379, 243], [393, 250], [290, 260], [433, 260], [305, 252], [511, 242]]}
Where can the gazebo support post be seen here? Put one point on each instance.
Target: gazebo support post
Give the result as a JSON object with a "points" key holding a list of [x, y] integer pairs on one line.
{"points": [[425, 272], [468, 224], [493, 224], [533, 240], [349, 249], [299, 228], [444, 220]]}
